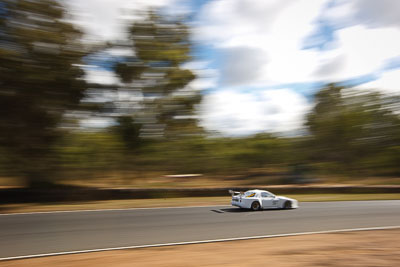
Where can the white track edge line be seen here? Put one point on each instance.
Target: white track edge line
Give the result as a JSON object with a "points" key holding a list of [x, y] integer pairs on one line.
{"points": [[157, 208], [96, 210], [198, 242]]}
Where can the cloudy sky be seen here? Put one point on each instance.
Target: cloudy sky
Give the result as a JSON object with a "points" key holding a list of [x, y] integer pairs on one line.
{"points": [[260, 61]]}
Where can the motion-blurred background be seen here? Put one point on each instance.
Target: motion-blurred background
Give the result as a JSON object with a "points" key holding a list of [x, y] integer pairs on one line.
{"points": [[201, 93]]}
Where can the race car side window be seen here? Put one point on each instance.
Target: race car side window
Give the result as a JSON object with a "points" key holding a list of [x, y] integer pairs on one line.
{"points": [[250, 194], [265, 194]]}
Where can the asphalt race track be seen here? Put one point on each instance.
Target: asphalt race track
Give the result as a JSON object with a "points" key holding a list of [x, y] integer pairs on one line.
{"points": [[27, 234]]}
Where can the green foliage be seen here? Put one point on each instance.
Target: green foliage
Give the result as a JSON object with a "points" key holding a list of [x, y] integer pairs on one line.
{"points": [[161, 45], [160, 40], [128, 131], [352, 130], [128, 71], [90, 152], [349, 133], [99, 151], [39, 81]]}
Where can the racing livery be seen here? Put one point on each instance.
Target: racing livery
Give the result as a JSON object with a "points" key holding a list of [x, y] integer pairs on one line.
{"points": [[261, 199]]}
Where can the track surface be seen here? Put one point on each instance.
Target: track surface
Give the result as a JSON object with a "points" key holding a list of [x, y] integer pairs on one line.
{"points": [[26, 234]]}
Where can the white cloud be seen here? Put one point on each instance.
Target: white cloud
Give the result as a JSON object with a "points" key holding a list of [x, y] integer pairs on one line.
{"points": [[372, 13], [388, 83], [206, 77], [96, 122], [202, 83], [240, 113], [378, 13], [120, 52], [259, 44], [101, 76], [107, 19], [222, 20], [242, 65], [359, 51], [272, 34]]}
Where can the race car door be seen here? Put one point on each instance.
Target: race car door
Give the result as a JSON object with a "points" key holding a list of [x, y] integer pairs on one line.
{"points": [[268, 200]]}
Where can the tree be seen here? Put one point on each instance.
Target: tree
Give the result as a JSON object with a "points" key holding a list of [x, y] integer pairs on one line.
{"points": [[160, 45], [351, 128], [128, 131], [40, 79]]}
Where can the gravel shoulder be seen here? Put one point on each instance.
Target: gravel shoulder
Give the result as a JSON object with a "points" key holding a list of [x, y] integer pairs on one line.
{"points": [[365, 248]]}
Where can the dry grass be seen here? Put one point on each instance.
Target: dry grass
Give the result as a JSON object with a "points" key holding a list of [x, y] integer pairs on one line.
{"points": [[367, 248], [133, 179]]}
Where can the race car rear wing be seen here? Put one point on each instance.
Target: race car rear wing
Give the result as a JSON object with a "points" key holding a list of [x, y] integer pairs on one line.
{"points": [[234, 192]]}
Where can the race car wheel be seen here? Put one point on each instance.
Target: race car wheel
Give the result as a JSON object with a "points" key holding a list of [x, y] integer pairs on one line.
{"points": [[287, 205], [255, 206]]}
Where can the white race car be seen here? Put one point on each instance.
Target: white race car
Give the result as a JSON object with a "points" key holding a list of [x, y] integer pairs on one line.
{"points": [[261, 199]]}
